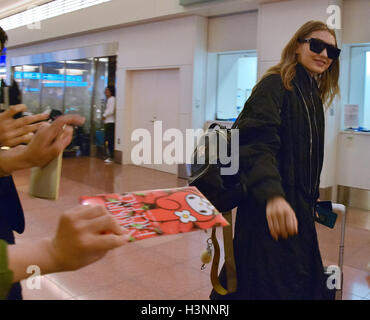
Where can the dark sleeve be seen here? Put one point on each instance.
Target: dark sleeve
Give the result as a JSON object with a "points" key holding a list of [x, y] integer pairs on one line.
{"points": [[11, 211], [260, 140]]}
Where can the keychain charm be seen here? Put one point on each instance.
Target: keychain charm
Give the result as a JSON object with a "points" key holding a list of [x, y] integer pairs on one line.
{"points": [[206, 256]]}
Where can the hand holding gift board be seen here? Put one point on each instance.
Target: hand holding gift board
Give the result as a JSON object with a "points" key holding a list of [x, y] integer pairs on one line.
{"points": [[160, 212]]}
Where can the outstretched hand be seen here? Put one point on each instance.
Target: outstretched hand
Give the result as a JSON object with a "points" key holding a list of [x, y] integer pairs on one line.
{"points": [[17, 131], [51, 139], [46, 144], [84, 235]]}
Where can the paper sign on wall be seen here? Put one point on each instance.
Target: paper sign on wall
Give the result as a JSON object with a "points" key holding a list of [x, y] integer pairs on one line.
{"points": [[351, 115]]}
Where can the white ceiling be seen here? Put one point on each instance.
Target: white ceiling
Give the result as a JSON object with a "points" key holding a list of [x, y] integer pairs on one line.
{"points": [[9, 7], [6, 3]]}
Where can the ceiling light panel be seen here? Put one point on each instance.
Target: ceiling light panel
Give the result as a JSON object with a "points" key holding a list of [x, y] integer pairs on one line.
{"points": [[46, 11]]}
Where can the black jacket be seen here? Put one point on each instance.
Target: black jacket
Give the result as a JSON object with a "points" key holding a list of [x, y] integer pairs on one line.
{"points": [[281, 153]]}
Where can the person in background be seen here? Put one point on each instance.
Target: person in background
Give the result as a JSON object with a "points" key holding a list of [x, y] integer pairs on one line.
{"points": [[109, 120], [281, 152]]}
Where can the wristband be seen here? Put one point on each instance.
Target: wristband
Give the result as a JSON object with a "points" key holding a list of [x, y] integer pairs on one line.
{"points": [[6, 275]]}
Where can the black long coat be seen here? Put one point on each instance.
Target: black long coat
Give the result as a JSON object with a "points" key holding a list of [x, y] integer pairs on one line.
{"points": [[281, 153]]}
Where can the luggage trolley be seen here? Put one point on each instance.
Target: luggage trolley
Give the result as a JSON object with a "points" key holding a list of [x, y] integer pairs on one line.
{"points": [[339, 208]]}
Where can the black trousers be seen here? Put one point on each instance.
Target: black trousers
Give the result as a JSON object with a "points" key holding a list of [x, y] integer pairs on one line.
{"points": [[109, 138]]}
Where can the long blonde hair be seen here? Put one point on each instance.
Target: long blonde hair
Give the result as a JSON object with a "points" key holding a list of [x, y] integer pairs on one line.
{"points": [[327, 81]]}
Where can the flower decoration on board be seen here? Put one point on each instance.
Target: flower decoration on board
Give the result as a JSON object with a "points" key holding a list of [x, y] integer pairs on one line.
{"points": [[185, 216]]}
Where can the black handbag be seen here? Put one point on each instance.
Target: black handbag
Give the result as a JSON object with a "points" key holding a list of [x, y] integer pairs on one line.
{"points": [[205, 172]]}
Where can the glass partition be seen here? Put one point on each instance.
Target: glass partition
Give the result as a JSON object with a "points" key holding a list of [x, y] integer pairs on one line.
{"points": [[28, 78], [17, 73], [52, 86], [236, 77], [78, 89], [101, 81], [72, 86]]}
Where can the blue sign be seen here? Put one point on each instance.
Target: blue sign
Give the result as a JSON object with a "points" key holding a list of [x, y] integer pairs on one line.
{"points": [[47, 76], [31, 89]]}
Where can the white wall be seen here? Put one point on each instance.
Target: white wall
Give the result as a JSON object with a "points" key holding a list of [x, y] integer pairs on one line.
{"points": [[211, 86], [237, 32], [353, 160], [200, 73], [159, 45], [356, 18], [277, 22], [232, 33]]}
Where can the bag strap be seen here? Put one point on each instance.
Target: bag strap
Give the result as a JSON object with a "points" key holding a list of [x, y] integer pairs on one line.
{"points": [[215, 124], [229, 259]]}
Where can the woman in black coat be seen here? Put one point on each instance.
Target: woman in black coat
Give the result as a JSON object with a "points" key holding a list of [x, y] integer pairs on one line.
{"points": [[281, 154]]}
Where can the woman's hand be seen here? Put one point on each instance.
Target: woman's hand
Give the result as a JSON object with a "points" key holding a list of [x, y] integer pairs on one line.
{"points": [[281, 218], [50, 140], [17, 131], [47, 143], [84, 235]]}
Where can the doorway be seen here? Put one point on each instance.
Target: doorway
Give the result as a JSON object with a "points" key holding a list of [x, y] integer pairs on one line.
{"points": [[153, 95]]}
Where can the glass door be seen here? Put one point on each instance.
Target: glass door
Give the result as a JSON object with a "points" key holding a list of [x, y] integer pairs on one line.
{"points": [[79, 84], [52, 92], [98, 106], [28, 78]]}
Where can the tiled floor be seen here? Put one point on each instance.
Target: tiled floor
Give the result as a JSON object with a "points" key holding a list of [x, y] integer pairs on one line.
{"points": [[158, 268]]}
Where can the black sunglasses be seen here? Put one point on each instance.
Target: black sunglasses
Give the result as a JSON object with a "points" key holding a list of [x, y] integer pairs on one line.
{"points": [[317, 46]]}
